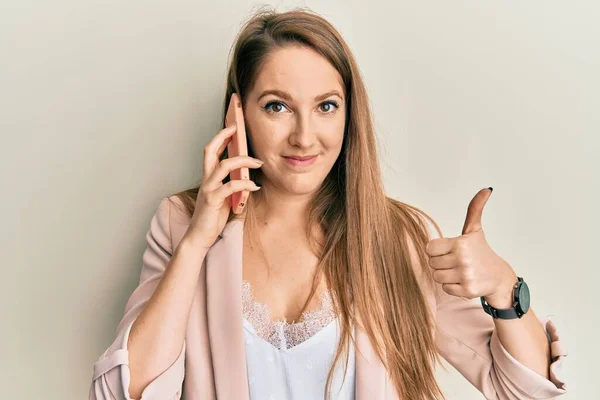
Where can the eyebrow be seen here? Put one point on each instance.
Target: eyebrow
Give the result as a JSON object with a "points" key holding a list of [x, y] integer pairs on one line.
{"points": [[288, 97]]}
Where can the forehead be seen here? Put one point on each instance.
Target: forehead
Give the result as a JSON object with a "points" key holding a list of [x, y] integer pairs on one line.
{"points": [[301, 71]]}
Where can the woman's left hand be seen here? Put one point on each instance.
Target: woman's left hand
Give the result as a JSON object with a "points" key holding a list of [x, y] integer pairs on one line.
{"points": [[467, 266]]}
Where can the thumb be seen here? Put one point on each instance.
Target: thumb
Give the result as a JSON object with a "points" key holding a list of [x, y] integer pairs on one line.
{"points": [[475, 210]]}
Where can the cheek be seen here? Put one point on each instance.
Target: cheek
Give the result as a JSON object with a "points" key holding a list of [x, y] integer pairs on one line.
{"points": [[264, 143], [266, 147], [333, 142], [257, 132], [258, 136]]}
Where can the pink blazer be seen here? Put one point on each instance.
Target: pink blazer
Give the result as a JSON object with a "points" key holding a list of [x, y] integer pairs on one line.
{"points": [[212, 361]]}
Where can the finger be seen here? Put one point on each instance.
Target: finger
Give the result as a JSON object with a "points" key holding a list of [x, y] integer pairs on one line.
{"points": [[475, 210], [233, 187], [447, 276], [446, 261], [439, 247], [223, 146], [216, 147], [226, 166], [552, 331], [557, 348], [454, 289]]}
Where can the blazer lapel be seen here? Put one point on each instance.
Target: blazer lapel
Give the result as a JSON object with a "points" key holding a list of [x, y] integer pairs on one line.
{"points": [[370, 372], [224, 313]]}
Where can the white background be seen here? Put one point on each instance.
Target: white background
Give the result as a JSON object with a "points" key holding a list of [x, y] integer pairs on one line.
{"points": [[105, 107]]}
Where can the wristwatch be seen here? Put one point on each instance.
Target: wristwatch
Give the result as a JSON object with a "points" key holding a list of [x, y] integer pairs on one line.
{"points": [[521, 301]]}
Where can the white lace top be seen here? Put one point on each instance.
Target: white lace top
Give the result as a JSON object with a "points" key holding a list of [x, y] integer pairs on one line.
{"points": [[289, 361]]}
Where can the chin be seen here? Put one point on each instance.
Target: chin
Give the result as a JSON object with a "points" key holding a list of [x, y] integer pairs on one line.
{"points": [[302, 186]]}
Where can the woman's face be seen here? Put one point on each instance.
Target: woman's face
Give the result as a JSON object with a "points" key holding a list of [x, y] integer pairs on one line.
{"points": [[296, 109]]}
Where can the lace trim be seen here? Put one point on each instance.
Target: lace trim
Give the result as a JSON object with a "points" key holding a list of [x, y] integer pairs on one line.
{"points": [[282, 334]]}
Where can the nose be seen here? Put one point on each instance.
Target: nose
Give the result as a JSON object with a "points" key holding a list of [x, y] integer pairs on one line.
{"points": [[303, 134]]}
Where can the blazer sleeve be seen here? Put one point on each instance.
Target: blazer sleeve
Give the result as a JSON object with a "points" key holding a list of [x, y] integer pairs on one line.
{"points": [[467, 339], [111, 376]]}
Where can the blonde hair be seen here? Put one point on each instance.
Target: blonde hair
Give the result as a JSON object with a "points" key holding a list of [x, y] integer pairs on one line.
{"points": [[364, 251]]}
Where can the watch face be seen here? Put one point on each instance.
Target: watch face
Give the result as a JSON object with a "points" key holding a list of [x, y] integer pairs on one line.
{"points": [[524, 299]]}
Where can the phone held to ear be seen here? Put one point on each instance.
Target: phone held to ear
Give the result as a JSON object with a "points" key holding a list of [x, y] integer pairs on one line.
{"points": [[237, 147]]}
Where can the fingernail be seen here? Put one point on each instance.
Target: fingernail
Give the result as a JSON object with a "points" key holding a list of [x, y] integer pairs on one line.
{"points": [[491, 188], [258, 161], [257, 184]]}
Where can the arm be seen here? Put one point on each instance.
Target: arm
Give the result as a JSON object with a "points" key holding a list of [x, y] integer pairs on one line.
{"points": [[463, 269], [524, 338], [467, 338], [147, 357]]}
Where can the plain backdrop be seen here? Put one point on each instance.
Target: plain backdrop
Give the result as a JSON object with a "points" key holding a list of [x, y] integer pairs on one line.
{"points": [[106, 106]]}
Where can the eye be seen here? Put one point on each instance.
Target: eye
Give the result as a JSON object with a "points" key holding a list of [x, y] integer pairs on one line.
{"points": [[268, 108], [330, 103], [274, 107]]}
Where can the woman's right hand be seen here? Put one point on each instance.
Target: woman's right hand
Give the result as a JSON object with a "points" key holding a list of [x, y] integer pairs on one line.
{"points": [[213, 204]]}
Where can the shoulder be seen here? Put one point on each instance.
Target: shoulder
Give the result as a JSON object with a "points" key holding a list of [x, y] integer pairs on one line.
{"points": [[161, 219], [171, 210], [177, 209], [169, 222]]}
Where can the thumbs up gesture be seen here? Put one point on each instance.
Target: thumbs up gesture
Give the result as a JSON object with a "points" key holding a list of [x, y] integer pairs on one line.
{"points": [[466, 266]]}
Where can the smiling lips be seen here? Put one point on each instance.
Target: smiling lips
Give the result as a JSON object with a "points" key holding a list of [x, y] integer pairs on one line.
{"points": [[300, 160]]}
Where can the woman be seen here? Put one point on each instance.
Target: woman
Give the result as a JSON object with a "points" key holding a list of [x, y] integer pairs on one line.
{"points": [[324, 286]]}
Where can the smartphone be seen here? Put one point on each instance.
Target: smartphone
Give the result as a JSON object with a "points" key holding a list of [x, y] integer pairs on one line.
{"points": [[237, 146]]}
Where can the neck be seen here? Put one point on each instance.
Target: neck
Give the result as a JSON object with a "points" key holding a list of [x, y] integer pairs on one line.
{"points": [[282, 209]]}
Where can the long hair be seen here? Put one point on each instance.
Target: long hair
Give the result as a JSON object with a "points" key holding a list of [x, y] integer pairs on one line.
{"points": [[364, 251]]}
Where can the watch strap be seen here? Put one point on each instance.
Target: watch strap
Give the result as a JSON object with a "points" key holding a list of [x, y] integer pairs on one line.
{"points": [[508, 313]]}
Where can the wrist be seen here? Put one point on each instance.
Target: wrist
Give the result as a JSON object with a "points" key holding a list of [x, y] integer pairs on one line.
{"points": [[194, 238], [190, 246], [504, 297]]}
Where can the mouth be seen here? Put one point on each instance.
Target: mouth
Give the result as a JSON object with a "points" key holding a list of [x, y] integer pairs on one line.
{"points": [[300, 160]]}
